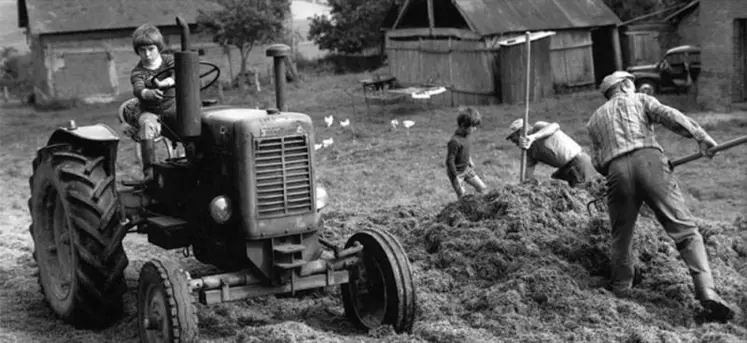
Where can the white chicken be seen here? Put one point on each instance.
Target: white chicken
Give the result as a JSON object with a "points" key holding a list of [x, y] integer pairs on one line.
{"points": [[317, 146], [408, 123], [329, 120], [345, 123], [395, 122], [327, 142]]}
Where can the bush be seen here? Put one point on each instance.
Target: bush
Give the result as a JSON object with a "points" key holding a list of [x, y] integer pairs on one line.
{"points": [[16, 72], [340, 64]]}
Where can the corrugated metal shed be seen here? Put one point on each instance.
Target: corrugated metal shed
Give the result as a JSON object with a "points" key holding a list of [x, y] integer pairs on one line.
{"points": [[55, 16], [488, 17]]}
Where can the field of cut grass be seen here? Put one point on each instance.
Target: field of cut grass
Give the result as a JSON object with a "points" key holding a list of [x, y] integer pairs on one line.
{"points": [[395, 179]]}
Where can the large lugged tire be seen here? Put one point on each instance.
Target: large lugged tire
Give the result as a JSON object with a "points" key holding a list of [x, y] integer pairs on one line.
{"points": [[381, 290], [77, 239], [165, 304]]}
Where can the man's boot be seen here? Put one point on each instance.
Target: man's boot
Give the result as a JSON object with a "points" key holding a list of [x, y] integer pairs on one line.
{"points": [[693, 252], [148, 154]]}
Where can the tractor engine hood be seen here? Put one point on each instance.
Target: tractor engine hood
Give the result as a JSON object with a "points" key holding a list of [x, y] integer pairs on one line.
{"points": [[272, 155]]}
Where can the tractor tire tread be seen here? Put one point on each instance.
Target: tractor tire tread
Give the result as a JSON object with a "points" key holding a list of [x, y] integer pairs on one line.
{"points": [[91, 201]]}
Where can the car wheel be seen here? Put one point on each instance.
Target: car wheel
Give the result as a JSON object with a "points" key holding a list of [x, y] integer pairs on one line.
{"points": [[647, 87]]}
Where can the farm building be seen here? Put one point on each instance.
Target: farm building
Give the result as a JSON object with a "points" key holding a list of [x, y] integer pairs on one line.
{"points": [[457, 43], [723, 38], [645, 39], [83, 49]]}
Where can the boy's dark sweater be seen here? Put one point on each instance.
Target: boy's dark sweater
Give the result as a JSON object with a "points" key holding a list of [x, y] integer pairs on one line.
{"points": [[141, 79], [457, 156]]}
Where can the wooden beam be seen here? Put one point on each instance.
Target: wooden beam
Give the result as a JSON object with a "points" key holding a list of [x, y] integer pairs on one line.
{"points": [[616, 48], [431, 20], [401, 13], [466, 19], [438, 31], [572, 46]]}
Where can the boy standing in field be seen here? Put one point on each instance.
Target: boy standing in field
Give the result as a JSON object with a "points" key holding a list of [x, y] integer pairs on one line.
{"points": [[155, 103], [458, 160]]}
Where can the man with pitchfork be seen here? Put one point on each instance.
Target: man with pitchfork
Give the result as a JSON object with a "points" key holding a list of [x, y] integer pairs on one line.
{"points": [[625, 151]]}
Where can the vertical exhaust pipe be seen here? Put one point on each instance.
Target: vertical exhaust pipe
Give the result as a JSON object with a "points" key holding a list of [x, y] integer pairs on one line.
{"points": [[278, 52], [186, 69]]}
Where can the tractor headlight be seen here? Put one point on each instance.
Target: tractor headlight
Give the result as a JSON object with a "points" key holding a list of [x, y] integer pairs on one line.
{"points": [[220, 209], [321, 198]]}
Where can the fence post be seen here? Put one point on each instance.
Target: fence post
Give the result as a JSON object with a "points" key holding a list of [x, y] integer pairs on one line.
{"points": [[220, 92], [256, 80], [5, 94]]}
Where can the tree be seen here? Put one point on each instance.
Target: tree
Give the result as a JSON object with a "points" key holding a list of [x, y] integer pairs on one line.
{"points": [[353, 26], [245, 23], [629, 9], [15, 71]]}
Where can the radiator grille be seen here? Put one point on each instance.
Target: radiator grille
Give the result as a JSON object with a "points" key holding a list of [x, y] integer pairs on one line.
{"points": [[283, 175]]}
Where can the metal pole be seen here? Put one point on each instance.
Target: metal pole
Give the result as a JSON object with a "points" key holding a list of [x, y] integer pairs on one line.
{"points": [[523, 170], [278, 52]]}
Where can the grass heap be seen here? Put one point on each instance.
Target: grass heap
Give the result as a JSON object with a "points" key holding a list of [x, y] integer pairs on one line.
{"points": [[528, 263]]}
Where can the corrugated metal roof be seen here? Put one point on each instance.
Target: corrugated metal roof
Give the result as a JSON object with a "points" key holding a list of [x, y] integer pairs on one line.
{"points": [[488, 17], [56, 16]]}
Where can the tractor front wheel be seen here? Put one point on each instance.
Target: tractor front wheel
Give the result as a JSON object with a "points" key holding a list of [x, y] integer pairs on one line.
{"points": [[77, 236], [165, 304], [381, 289]]}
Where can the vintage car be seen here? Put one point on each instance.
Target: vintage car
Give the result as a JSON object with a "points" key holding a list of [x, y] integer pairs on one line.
{"points": [[671, 73]]}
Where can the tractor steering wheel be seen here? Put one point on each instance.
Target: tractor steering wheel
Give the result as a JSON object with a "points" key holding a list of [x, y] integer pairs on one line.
{"points": [[214, 69]]}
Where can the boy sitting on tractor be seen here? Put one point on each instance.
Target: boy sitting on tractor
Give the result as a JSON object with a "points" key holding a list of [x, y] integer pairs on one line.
{"points": [[155, 97]]}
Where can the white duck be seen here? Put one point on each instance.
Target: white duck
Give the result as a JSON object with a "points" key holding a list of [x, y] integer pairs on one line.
{"points": [[345, 123], [317, 146], [329, 120], [408, 123]]}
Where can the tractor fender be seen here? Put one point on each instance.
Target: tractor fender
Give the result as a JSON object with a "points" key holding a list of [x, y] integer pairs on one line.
{"points": [[97, 139]]}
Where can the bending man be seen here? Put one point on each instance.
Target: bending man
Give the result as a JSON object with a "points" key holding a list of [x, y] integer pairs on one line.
{"points": [[548, 144]]}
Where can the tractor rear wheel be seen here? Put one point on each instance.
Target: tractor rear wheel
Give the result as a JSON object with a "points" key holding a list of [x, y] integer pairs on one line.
{"points": [[77, 236], [381, 289], [165, 304]]}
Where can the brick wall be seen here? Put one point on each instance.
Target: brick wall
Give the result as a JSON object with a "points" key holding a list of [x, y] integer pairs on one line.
{"points": [[718, 81]]}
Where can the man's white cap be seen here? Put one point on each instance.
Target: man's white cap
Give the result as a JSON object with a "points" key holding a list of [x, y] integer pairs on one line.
{"points": [[612, 79], [516, 125]]}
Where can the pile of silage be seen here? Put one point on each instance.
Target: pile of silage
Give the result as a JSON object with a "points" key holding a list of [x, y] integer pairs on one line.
{"points": [[528, 263]]}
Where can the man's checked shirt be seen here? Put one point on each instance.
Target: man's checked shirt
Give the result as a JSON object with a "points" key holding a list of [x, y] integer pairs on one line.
{"points": [[626, 123]]}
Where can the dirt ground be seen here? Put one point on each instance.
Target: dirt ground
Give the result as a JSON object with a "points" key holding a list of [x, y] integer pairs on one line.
{"points": [[523, 263]]}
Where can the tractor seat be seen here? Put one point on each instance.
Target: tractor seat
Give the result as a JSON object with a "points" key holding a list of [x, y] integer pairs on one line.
{"points": [[128, 112]]}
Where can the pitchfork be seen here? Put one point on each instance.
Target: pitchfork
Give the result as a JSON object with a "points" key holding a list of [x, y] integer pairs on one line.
{"points": [[598, 203]]}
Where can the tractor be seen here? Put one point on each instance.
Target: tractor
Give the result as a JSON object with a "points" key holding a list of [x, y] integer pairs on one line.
{"points": [[243, 197]]}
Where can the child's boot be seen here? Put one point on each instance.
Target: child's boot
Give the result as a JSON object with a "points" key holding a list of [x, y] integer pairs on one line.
{"points": [[148, 154]]}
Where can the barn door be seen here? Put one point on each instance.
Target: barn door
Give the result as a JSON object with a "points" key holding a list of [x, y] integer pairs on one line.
{"points": [[83, 74], [740, 59]]}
